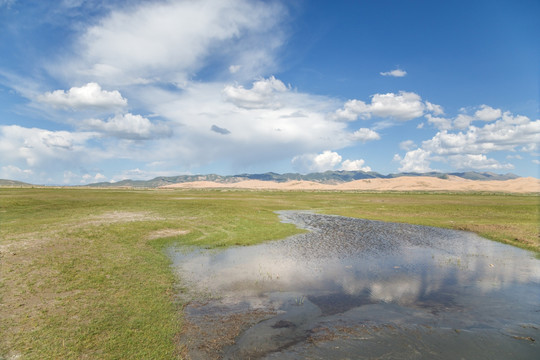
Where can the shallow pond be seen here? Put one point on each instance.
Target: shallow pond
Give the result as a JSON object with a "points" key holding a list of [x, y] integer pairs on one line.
{"points": [[354, 289]]}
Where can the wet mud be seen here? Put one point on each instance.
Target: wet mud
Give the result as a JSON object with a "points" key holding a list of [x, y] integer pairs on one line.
{"points": [[360, 289]]}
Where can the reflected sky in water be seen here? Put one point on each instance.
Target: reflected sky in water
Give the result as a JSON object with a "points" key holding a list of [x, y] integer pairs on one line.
{"points": [[386, 281]]}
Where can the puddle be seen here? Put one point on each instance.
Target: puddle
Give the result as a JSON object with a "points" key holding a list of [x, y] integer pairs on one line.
{"points": [[354, 288]]}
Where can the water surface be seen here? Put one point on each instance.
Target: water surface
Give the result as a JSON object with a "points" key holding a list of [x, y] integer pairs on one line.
{"points": [[353, 289]]}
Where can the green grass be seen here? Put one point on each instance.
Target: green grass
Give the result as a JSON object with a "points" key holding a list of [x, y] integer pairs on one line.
{"points": [[84, 275]]}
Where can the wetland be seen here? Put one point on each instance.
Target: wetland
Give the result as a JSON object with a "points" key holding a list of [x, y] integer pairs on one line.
{"points": [[353, 288]]}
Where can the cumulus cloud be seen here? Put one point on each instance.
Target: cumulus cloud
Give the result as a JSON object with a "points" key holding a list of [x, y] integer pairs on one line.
{"points": [[394, 73], [402, 106], [352, 110], [439, 122], [434, 108], [487, 113], [468, 149], [327, 160], [477, 162], [88, 96], [416, 161], [463, 121], [88, 178], [263, 94], [407, 145], [498, 136], [355, 165], [127, 126], [168, 41], [484, 113], [365, 134]]}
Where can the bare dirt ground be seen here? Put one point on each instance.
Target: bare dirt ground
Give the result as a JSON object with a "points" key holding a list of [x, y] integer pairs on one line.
{"points": [[404, 183]]}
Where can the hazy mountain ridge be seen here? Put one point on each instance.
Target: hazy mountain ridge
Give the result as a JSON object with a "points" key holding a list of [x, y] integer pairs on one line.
{"points": [[6, 182], [327, 177]]}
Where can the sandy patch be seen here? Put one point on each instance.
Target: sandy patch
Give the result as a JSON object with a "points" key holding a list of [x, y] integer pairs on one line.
{"points": [[158, 234], [404, 183]]}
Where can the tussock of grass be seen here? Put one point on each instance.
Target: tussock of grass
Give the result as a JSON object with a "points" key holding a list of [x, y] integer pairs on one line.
{"points": [[84, 274]]}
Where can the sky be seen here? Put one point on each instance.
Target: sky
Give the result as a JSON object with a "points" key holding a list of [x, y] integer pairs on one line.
{"points": [[95, 90]]}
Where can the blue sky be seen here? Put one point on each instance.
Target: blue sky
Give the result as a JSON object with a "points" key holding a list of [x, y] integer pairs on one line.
{"points": [[104, 91]]}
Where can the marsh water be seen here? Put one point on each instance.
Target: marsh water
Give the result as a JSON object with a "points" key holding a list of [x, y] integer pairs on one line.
{"points": [[354, 289]]}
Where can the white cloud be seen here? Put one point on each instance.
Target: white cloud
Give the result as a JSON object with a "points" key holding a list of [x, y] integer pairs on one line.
{"points": [[487, 113], [394, 73], [530, 148], [468, 149], [439, 122], [535, 161], [87, 178], [42, 149], [415, 161], [365, 134], [354, 165], [498, 136], [327, 160], [463, 121], [127, 126], [88, 96], [403, 106], [169, 41], [407, 145], [352, 110], [435, 109], [263, 94], [477, 162], [509, 118]]}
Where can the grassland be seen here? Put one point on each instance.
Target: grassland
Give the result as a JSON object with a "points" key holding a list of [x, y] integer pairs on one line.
{"points": [[83, 273]]}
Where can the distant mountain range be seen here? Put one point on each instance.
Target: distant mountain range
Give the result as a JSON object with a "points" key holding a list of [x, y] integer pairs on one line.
{"points": [[327, 177], [4, 182]]}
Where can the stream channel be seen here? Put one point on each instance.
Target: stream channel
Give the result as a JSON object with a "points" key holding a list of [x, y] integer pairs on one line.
{"points": [[361, 289]]}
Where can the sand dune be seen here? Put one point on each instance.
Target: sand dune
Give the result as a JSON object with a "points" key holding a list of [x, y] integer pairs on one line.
{"points": [[404, 183]]}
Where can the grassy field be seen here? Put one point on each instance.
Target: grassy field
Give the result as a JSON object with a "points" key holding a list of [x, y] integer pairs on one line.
{"points": [[83, 274]]}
